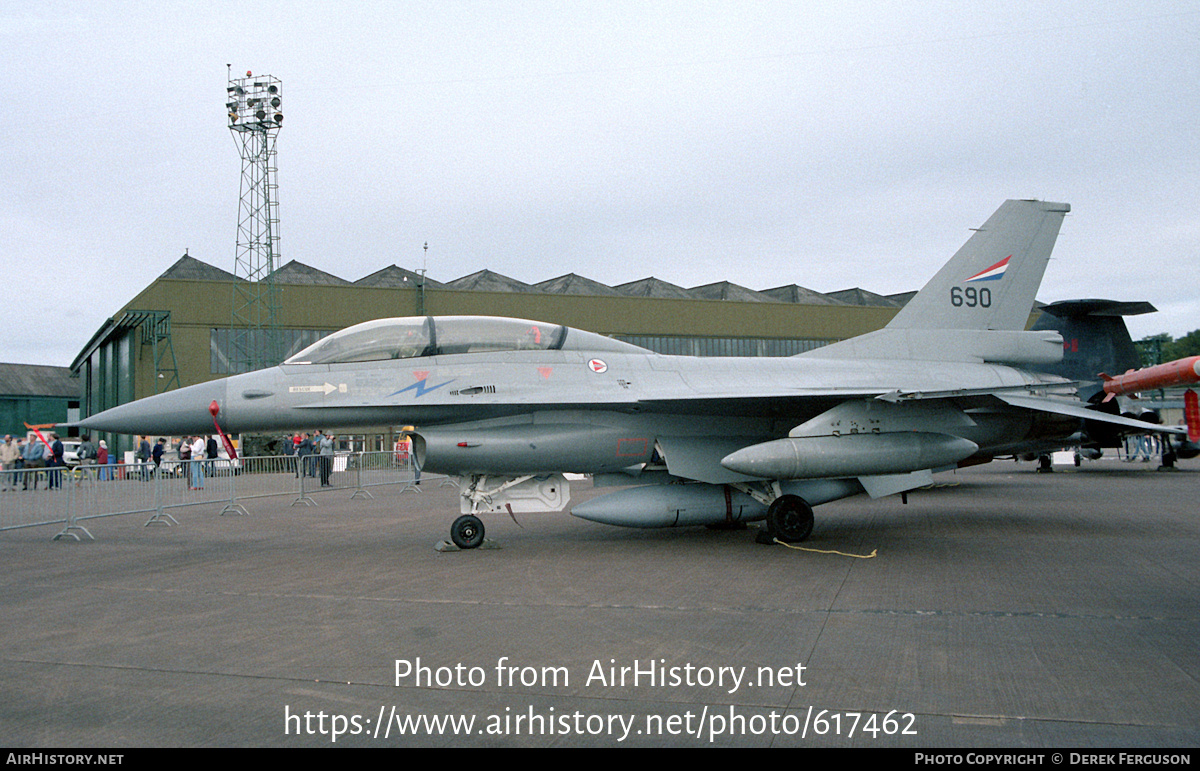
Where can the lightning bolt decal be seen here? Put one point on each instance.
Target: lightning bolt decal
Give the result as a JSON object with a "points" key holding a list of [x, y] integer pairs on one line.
{"points": [[421, 387]]}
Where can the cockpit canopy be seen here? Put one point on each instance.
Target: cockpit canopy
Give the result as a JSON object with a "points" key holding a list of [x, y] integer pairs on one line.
{"points": [[414, 336]]}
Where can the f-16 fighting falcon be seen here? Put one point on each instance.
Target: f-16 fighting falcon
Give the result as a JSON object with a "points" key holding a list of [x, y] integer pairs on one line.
{"points": [[510, 405]]}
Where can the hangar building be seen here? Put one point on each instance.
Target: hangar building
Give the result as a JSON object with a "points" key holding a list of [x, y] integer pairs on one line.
{"points": [[36, 394]]}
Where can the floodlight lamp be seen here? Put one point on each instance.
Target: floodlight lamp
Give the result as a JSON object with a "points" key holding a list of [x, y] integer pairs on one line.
{"points": [[260, 114], [276, 101], [273, 89], [279, 117]]}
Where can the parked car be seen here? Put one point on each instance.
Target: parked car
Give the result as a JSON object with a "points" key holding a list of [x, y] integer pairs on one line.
{"points": [[70, 452]]}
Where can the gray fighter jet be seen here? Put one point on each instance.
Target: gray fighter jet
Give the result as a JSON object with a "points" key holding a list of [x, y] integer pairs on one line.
{"points": [[511, 405]]}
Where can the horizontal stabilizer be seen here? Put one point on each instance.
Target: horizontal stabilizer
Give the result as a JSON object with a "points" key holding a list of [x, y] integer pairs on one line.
{"points": [[1078, 309], [1077, 410]]}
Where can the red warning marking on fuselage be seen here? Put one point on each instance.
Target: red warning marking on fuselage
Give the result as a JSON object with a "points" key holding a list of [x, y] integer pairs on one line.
{"points": [[633, 448]]}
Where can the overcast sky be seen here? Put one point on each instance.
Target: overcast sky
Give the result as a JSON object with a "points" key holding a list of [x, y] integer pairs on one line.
{"points": [[830, 145]]}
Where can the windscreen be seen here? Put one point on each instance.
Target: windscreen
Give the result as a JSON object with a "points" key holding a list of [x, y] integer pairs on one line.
{"points": [[376, 340]]}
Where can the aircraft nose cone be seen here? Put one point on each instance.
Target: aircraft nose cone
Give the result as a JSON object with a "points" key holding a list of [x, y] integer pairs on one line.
{"points": [[185, 411]]}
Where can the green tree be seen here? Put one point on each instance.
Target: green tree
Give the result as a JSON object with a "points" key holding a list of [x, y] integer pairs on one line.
{"points": [[1188, 345], [1153, 349]]}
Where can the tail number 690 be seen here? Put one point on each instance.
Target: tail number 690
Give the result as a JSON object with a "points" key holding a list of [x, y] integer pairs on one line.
{"points": [[971, 297]]}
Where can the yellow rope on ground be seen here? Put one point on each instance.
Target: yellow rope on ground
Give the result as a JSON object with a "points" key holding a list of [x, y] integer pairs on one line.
{"points": [[830, 551]]}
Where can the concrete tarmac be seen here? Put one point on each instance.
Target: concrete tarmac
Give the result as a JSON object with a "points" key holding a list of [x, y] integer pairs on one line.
{"points": [[1004, 608]]}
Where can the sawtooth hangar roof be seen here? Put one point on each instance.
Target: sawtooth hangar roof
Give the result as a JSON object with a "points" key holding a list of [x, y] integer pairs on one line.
{"points": [[297, 273]]}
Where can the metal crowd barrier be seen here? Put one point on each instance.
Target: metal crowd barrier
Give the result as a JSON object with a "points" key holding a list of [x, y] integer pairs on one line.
{"points": [[69, 496]]}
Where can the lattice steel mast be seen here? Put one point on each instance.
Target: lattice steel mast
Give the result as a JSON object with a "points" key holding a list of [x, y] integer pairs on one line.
{"points": [[255, 108]]}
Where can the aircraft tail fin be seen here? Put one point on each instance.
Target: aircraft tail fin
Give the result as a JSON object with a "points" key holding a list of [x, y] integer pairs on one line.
{"points": [[992, 281], [1095, 340], [977, 306]]}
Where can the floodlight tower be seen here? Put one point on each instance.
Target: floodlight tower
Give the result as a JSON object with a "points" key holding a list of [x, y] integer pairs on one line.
{"points": [[255, 108]]}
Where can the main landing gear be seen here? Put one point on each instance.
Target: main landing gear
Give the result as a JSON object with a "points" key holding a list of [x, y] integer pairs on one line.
{"points": [[789, 518], [467, 532]]}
